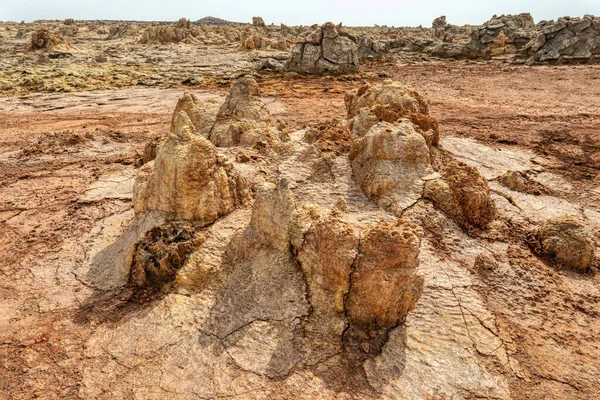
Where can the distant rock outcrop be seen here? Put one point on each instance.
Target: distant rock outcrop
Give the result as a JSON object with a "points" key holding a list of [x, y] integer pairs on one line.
{"points": [[568, 40], [213, 21], [327, 49], [503, 35], [439, 22], [258, 22], [51, 42]]}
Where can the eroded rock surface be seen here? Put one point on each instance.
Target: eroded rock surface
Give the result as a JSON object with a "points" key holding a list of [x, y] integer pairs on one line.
{"points": [[244, 119], [51, 42], [568, 241], [202, 114], [389, 102], [158, 257], [326, 49], [568, 40], [188, 179], [314, 288], [390, 163], [464, 194], [506, 34]]}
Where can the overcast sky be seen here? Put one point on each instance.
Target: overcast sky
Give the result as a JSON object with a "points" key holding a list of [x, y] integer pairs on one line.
{"points": [[299, 12]]}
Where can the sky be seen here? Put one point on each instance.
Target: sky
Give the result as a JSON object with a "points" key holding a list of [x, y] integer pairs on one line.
{"points": [[299, 12]]}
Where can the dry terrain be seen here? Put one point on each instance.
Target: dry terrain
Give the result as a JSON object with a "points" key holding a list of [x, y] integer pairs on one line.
{"points": [[495, 319]]}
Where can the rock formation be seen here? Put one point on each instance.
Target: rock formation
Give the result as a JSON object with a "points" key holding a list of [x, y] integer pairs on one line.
{"points": [[202, 114], [188, 179], [253, 38], [361, 277], [568, 241], [568, 40], [389, 102], [439, 22], [123, 30], [370, 48], [503, 35], [383, 284], [389, 164], [514, 180], [43, 39], [163, 35], [181, 30], [162, 252], [258, 22], [463, 194], [244, 119], [213, 21], [182, 23], [327, 49]]}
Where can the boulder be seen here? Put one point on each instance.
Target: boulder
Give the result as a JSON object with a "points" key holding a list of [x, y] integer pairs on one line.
{"points": [[327, 49], [568, 241], [514, 180]]}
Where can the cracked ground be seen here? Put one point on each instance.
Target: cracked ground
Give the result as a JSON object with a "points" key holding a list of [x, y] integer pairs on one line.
{"points": [[494, 321]]}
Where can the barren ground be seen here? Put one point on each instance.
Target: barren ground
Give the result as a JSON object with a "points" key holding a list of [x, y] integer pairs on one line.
{"points": [[60, 155]]}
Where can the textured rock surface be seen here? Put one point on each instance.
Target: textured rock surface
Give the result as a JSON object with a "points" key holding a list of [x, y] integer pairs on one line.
{"points": [[568, 241], [202, 114], [463, 194], [568, 40], [503, 35], [331, 136], [389, 163], [188, 179], [157, 258], [51, 42], [389, 102], [514, 180], [370, 48], [264, 307], [244, 119], [163, 34], [384, 287], [326, 49]]}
